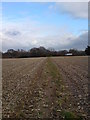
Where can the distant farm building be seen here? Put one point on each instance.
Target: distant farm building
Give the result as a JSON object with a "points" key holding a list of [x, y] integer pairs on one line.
{"points": [[69, 54]]}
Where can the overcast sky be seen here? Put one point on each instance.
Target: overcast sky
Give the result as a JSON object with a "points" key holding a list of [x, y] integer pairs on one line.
{"points": [[57, 25]]}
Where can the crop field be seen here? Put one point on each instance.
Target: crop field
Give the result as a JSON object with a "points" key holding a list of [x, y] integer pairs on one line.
{"points": [[53, 87]]}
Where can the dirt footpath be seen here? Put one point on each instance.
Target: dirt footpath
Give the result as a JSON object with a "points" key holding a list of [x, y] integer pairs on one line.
{"points": [[44, 88]]}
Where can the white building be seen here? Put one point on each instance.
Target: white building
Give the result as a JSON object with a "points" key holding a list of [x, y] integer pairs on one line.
{"points": [[69, 54]]}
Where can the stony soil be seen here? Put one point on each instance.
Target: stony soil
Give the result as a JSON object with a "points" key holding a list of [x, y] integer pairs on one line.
{"points": [[74, 72], [45, 88]]}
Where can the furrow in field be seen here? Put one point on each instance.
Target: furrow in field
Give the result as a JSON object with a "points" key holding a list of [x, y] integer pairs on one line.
{"points": [[75, 76], [16, 84], [44, 87]]}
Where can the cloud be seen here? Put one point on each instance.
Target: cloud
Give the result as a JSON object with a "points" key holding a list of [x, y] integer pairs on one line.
{"points": [[75, 9], [66, 41], [26, 33], [78, 42], [35, 38], [12, 33]]}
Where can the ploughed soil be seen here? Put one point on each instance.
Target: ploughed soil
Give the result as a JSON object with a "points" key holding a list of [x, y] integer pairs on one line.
{"points": [[55, 88]]}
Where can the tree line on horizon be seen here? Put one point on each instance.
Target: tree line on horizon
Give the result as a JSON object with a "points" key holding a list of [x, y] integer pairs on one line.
{"points": [[43, 52]]}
